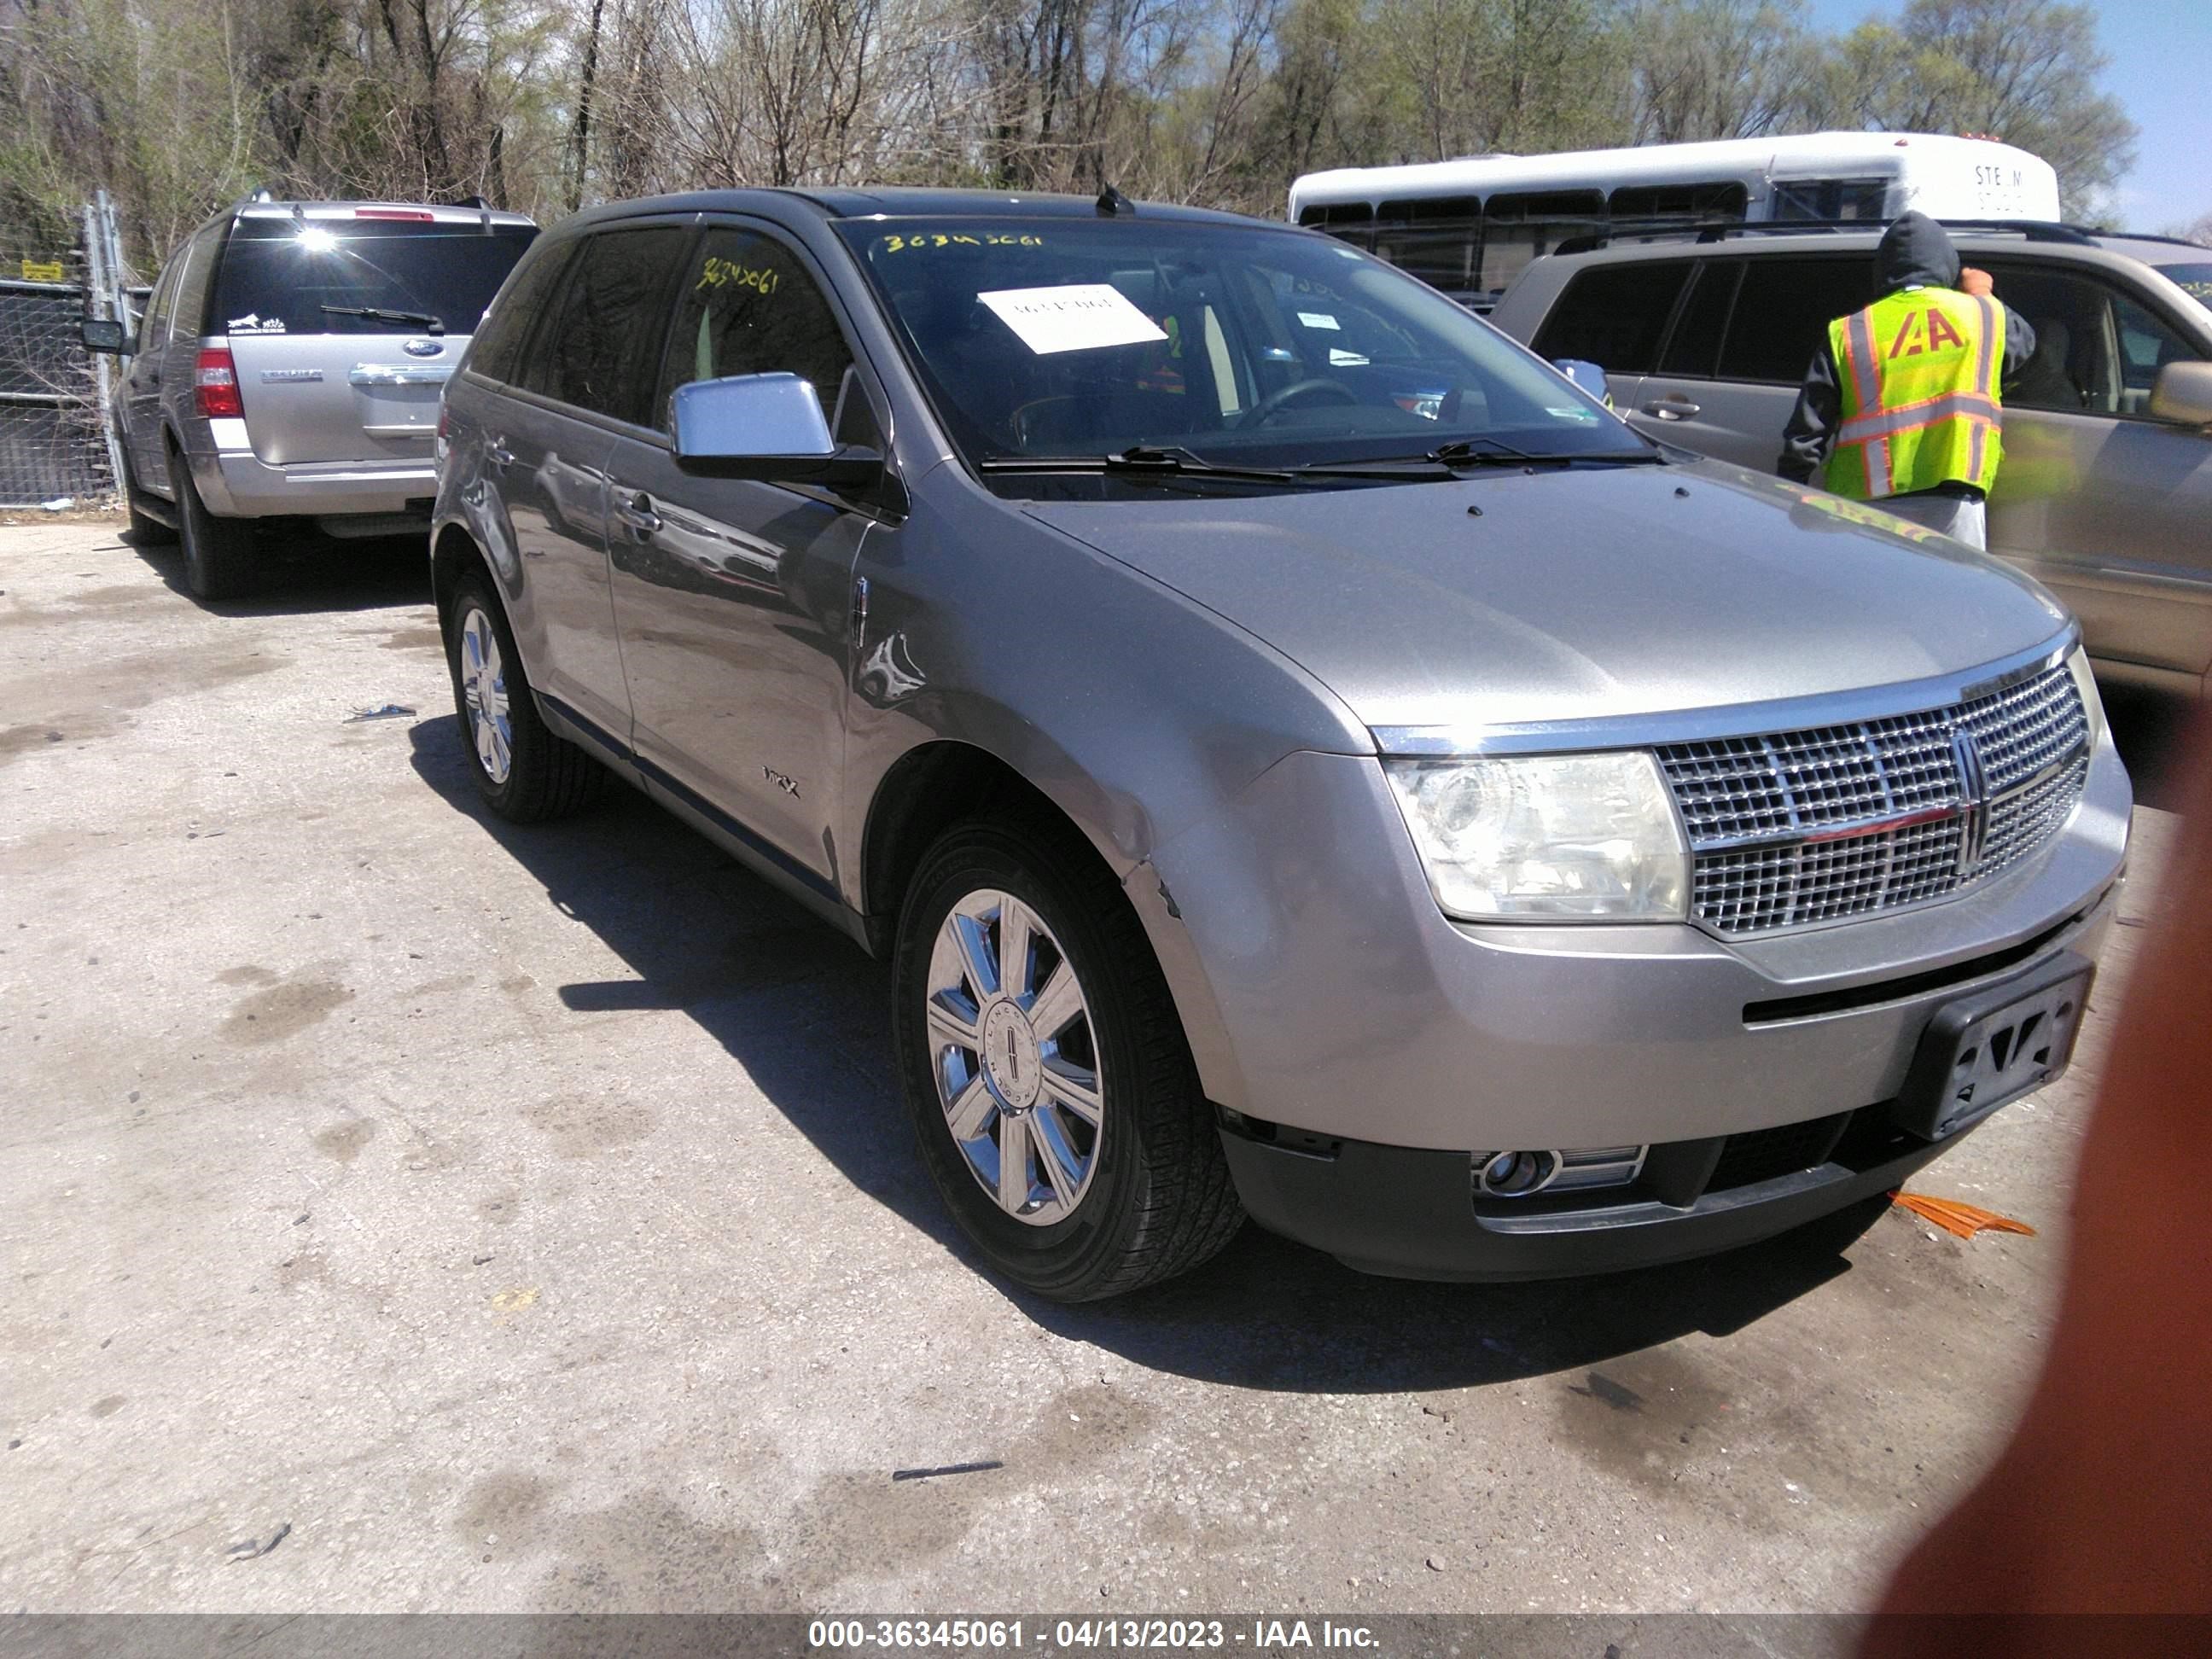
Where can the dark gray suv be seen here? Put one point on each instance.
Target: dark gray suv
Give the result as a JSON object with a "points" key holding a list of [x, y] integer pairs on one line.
{"points": [[1302, 756]]}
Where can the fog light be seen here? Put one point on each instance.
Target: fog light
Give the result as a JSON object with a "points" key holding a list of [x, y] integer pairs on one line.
{"points": [[1514, 1175], [1519, 1174]]}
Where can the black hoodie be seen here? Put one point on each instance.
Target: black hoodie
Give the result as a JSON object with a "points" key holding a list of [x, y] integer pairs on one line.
{"points": [[1915, 253]]}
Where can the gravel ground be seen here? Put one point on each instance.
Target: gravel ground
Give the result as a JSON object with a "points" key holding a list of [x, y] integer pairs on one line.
{"points": [[524, 1218]]}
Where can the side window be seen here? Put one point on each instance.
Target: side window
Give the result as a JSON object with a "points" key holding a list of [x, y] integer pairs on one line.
{"points": [[2097, 350], [595, 349], [749, 307], [500, 335], [1783, 310], [2147, 345], [1437, 240], [1720, 200], [1518, 228], [1827, 199], [1695, 349], [188, 308], [154, 325], [1614, 315]]}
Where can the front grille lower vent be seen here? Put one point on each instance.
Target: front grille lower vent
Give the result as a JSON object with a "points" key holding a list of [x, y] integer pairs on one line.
{"points": [[1793, 827], [1764, 1154]]}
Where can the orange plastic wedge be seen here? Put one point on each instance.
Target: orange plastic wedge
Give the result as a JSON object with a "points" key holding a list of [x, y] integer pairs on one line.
{"points": [[1964, 1220]]}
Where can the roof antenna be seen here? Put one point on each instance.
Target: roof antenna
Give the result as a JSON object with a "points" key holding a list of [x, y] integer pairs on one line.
{"points": [[1112, 202]]}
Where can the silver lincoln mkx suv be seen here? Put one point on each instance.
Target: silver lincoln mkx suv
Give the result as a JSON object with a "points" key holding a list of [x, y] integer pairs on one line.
{"points": [[1300, 754]]}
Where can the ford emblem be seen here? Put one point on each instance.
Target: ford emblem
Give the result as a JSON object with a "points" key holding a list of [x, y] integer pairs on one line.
{"points": [[422, 348]]}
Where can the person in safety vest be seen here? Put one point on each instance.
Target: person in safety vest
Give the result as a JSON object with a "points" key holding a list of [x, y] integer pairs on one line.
{"points": [[1904, 401]]}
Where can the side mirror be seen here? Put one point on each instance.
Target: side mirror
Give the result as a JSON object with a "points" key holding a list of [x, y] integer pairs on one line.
{"points": [[106, 334], [1586, 374], [764, 425], [2183, 394]]}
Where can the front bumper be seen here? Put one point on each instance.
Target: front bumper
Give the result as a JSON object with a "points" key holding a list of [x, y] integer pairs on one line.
{"points": [[1408, 1213], [1330, 1002]]}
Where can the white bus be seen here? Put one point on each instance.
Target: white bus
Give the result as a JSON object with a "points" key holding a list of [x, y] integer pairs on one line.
{"points": [[1468, 225]]}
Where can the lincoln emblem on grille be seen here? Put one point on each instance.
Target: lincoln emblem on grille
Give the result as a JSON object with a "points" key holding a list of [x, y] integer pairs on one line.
{"points": [[1973, 799]]}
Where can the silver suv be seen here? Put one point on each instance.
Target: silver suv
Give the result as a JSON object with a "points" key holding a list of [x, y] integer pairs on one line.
{"points": [[1338, 773], [2106, 493], [288, 366]]}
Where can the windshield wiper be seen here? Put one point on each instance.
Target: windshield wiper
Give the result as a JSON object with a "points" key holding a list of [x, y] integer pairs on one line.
{"points": [[1458, 453], [1461, 452], [377, 314], [1141, 461]]}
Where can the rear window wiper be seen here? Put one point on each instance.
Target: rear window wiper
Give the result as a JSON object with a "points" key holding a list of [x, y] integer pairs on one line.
{"points": [[423, 320]]}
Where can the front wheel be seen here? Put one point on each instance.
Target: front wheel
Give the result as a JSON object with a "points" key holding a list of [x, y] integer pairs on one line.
{"points": [[1046, 1070]]}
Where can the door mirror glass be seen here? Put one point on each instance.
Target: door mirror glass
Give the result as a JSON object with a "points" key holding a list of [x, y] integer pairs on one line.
{"points": [[2183, 394], [106, 334]]}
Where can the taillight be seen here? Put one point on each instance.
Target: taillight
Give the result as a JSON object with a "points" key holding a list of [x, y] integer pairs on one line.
{"points": [[410, 215], [215, 385], [444, 421]]}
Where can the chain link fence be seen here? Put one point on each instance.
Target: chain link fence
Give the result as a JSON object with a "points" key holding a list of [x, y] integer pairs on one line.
{"points": [[51, 444], [54, 395]]}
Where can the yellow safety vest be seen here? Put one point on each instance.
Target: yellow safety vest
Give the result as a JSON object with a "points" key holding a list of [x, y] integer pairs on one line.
{"points": [[1920, 405]]}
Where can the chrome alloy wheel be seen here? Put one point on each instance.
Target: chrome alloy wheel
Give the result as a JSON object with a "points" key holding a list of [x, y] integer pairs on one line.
{"points": [[483, 691], [1014, 1058]]}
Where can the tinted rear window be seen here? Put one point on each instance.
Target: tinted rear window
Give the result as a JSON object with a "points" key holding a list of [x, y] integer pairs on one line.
{"points": [[1613, 315], [500, 335], [599, 351], [278, 275], [1696, 346], [1783, 312]]}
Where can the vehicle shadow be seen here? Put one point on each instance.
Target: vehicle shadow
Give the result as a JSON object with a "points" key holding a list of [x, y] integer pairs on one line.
{"points": [[303, 572], [807, 1014], [2151, 729]]}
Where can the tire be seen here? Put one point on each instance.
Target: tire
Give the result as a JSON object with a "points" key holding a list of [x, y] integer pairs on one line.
{"points": [[544, 776], [218, 552], [1091, 1212], [145, 529]]}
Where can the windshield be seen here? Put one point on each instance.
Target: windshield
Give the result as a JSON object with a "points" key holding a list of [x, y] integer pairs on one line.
{"points": [[2196, 280], [281, 277], [1237, 345]]}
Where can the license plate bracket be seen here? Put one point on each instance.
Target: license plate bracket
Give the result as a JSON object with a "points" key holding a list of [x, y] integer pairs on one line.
{"points": [[1981, 1051]]}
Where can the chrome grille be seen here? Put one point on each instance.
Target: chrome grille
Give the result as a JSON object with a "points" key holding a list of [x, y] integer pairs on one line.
{"points": [[1789, 828]]}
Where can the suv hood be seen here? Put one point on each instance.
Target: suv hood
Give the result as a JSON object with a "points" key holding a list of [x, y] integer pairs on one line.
{"points": [[1575, 594]]}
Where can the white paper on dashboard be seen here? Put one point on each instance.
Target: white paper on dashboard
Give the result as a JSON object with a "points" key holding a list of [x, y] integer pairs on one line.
{"points": [[1079, 317], [1319, 320]]}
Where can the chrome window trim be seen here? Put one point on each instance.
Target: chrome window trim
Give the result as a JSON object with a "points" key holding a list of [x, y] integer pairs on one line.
{"points": [[1745, 720]]}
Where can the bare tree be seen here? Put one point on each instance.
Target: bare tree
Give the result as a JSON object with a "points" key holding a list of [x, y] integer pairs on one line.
{"points": [[1717, 69]]}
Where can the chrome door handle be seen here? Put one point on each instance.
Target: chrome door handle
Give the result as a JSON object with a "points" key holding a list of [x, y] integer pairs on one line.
{"points": [[1671, 408], [499, 454], [637, 513]]}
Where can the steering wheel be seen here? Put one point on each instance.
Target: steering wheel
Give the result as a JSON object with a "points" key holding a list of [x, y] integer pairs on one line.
{"points": [[1258, 414]]}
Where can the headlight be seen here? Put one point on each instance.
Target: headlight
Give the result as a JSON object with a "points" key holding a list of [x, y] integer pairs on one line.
{"points": [[1547, 837]]}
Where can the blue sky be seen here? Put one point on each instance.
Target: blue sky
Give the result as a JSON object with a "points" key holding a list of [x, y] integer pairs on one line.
{"points": [[2162, 52]]}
